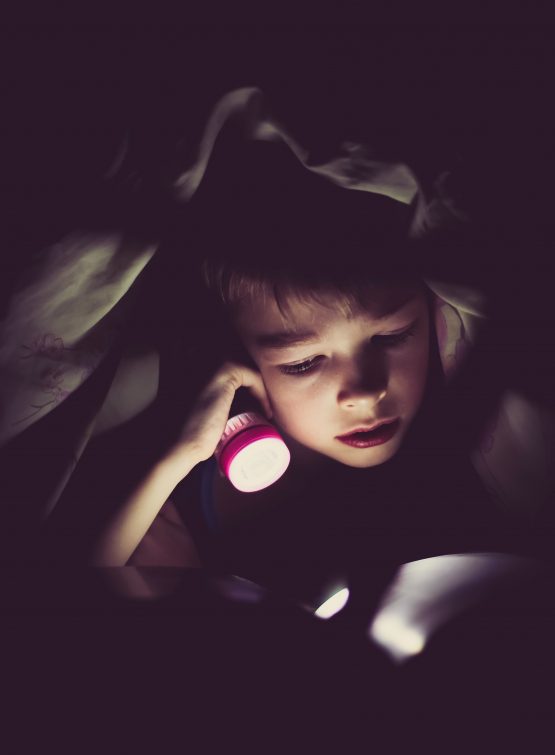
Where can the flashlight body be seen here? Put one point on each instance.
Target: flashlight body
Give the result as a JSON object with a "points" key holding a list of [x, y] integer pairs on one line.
{"points": [[251, 453]]}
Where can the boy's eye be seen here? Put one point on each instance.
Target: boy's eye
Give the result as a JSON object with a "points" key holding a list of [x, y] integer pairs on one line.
{"points": [[394, 340], [386, 341], [301, 368]]}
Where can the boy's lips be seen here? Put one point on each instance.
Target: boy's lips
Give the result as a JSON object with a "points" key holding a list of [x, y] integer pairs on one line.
{"points": [[368, 428], [365, 436]]}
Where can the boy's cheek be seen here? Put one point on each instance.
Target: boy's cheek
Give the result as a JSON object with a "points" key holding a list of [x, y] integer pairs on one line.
{"points": [[285, 412]]}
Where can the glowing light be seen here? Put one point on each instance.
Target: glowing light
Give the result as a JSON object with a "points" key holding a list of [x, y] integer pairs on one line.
{"points": [[425, 594], [397, 637], [259, 464], [333, 605]]}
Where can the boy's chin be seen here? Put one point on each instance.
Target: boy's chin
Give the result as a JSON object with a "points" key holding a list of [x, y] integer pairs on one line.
{"points": [[365, 464]]}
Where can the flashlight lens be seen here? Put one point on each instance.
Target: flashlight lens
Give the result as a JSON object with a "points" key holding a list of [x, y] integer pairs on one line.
{"points": [[259, 464]]}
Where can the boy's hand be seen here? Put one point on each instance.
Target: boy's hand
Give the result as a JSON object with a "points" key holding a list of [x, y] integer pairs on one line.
{"points": [[205, 425]]}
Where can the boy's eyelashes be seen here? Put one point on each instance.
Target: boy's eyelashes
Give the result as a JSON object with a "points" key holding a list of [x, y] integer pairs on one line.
{"points": [[301, 367], [396, 338], [385, 341]]}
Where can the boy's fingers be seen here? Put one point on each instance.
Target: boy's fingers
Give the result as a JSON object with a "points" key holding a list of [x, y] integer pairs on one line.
{"points": [[241, 376]]}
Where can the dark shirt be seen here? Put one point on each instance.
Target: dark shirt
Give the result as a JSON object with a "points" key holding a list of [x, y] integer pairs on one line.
{"points": [[337, 521]]}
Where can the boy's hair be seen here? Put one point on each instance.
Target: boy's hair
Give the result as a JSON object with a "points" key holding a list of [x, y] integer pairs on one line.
{"points": [[235, 283], [277, 229]]}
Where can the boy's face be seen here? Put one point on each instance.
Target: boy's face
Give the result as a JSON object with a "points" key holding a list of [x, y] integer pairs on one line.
{"points": [[328, 374]]}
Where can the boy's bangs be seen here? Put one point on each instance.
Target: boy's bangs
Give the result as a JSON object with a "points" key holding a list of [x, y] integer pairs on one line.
{"points": [[347, 300], [235, 287]]}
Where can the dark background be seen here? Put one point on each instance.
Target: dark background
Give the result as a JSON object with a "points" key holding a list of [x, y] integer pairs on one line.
{"points": [[436, 96], [468, 98]]}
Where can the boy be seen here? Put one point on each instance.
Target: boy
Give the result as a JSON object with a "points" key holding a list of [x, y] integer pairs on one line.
{"points": [[332, 382], [336, 341]]}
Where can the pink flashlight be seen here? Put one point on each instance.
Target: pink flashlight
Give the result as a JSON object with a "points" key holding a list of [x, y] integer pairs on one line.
{"points": [[251, 453]]}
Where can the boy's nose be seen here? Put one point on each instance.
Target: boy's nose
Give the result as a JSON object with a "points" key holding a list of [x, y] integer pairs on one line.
{"points": [[351, 399], [363, 388]]}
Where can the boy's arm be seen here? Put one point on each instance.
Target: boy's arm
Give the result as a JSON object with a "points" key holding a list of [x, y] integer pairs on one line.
{"points": [[168, 543], [134, 519], [197, 442]]}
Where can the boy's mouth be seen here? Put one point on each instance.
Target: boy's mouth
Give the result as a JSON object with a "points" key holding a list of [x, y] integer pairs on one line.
{"points": [[375, 437]]}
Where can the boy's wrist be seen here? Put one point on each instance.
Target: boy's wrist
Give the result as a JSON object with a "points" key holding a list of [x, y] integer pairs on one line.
{"points": [[177, 463]]}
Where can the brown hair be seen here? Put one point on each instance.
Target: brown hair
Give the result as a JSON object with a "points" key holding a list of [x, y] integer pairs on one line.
{"points": [[271, 228], [235, 284]]}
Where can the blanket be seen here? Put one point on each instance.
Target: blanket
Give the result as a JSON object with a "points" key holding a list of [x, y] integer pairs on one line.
{"points": [[65, 323]]}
